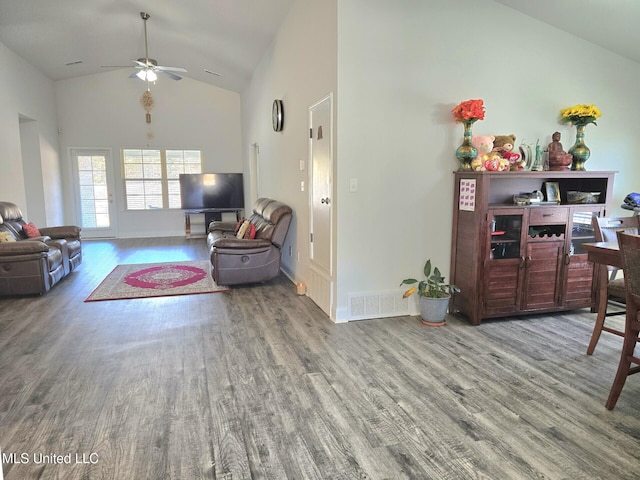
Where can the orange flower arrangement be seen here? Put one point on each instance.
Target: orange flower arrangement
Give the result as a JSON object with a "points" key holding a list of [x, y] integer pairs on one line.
{"points": [[471, 110]]}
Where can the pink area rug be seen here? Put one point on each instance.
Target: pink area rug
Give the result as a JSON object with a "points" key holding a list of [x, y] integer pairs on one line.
{"points": [[156, 280]]}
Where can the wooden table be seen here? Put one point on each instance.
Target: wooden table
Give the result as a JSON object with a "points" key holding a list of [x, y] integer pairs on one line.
{"points": [[604, 253], [608, 253]]}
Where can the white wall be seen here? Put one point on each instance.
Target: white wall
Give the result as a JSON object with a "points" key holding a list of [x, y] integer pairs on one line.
{"points": [[402, 66], [300, 69], [25, 93], [104, 111]]}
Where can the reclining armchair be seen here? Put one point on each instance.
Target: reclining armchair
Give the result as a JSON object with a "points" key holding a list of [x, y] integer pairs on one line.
{"points": [[248, 260], [32, 265]]}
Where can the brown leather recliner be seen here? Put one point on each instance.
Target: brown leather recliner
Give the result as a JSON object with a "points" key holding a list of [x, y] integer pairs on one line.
{"points": [[30, 266], [236, 261]]}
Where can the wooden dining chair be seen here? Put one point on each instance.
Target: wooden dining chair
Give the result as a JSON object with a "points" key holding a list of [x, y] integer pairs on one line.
{"points": [[605, 230], [630, 253]]}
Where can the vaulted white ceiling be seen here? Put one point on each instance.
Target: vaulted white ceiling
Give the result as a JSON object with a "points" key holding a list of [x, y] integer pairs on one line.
{"points": [[611, 24], [224, 36], [230, 36]]}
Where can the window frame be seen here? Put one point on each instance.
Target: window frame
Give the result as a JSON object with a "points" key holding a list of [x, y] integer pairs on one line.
{"points": [[163, 179]]}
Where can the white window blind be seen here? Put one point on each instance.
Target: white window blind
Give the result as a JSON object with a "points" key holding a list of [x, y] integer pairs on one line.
{"points": [[151, 176]]}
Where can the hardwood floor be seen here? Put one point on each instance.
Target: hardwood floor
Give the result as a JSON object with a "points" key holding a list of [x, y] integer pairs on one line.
{"points": [[258, 383]]}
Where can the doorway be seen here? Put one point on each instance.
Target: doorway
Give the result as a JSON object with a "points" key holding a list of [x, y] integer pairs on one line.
{"points": [[321, 203], [94, 198]]}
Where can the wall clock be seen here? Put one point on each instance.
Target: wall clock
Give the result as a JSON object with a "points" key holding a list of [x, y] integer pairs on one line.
{"points": [[277, 115]]}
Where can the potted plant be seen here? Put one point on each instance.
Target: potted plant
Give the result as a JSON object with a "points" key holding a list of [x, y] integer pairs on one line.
{"points": [[434, 295]]}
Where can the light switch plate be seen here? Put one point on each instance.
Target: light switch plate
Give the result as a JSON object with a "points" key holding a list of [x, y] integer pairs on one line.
{"points": [[353, 185]]}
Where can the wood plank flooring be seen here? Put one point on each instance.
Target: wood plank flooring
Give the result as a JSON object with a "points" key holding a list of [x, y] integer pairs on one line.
{"points": [[258, 384]]}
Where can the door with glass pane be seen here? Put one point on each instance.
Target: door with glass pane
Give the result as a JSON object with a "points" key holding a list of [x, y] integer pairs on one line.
{"points": [[503, 273], [94, 200], [579, 270]]}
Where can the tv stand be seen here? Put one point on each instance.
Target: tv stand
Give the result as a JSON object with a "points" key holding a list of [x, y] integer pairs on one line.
{"points": [[210, 214]]}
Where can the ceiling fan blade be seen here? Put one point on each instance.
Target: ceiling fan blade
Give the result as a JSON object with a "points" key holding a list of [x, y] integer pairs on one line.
{"points": [[170, 75], [134, 75], [140, 64], [170, 69]]}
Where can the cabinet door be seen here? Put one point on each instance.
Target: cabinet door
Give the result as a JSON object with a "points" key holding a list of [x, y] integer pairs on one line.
{"points": [[578, 270], [502, 286], [503, 272], [543, 270]]}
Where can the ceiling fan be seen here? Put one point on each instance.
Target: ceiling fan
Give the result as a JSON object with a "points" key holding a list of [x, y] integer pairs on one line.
{"points": [[148, 68]]}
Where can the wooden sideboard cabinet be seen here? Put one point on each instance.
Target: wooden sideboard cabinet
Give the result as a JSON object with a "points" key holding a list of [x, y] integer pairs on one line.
{"points": [[512, 259]]}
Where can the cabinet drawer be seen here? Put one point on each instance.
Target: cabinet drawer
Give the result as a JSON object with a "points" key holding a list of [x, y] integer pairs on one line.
{"points": [[548, 215]]}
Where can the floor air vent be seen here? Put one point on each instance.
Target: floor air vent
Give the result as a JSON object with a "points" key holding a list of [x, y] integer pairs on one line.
{"points": [[377, 305]]}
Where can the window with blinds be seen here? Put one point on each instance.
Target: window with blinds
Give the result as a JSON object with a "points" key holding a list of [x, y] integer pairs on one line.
{"points": [[151, 176]]}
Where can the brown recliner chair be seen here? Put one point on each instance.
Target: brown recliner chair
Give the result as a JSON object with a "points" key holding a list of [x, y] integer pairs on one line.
{"points": [[30, 266], [236, 261]]}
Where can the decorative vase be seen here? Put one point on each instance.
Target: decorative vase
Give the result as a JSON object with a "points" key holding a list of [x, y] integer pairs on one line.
{"points": [[433, 311], [466, 152], [580, 152]]}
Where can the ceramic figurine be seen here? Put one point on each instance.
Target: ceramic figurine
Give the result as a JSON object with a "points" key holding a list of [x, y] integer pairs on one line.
{"points": [[558, 158]]}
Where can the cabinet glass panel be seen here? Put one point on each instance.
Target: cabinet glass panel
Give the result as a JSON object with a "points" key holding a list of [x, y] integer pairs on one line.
{"points": [[505, 236], [582, 231]]}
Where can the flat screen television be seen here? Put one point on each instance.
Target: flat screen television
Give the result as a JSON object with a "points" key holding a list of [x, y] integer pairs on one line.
{"points": [[211, 190]]}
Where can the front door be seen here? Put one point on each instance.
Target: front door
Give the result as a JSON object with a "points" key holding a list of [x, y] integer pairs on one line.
{"points": [[94, 198], [321, 202]]}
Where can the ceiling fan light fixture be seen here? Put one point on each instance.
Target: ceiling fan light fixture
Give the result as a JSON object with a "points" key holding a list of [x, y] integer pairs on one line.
{"points": [[148, 68], [148, 75]]}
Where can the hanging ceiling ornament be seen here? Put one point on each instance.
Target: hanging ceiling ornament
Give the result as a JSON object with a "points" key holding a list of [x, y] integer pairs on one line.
{"points": [[147, 103]]}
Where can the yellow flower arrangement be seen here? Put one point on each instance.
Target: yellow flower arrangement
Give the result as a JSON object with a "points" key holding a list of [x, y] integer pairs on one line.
{"points": [[581, 114]]}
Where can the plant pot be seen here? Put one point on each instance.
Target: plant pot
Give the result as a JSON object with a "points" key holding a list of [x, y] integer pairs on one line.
{"points": [[434, 310]]}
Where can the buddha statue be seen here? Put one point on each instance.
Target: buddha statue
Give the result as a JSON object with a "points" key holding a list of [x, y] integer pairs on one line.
{"points": [[558, 158]]}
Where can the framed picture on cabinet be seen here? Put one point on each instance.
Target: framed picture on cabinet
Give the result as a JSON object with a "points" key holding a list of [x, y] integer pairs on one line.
{"points": [[552, 189], [467, 201]]}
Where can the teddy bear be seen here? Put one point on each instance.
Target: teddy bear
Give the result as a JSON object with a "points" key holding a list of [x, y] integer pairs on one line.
{"points": [[503, 145], [493, 162], [484, 145]]}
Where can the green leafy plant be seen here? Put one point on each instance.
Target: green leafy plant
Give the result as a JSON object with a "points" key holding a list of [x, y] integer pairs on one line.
{"points": [[433, 286]]}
